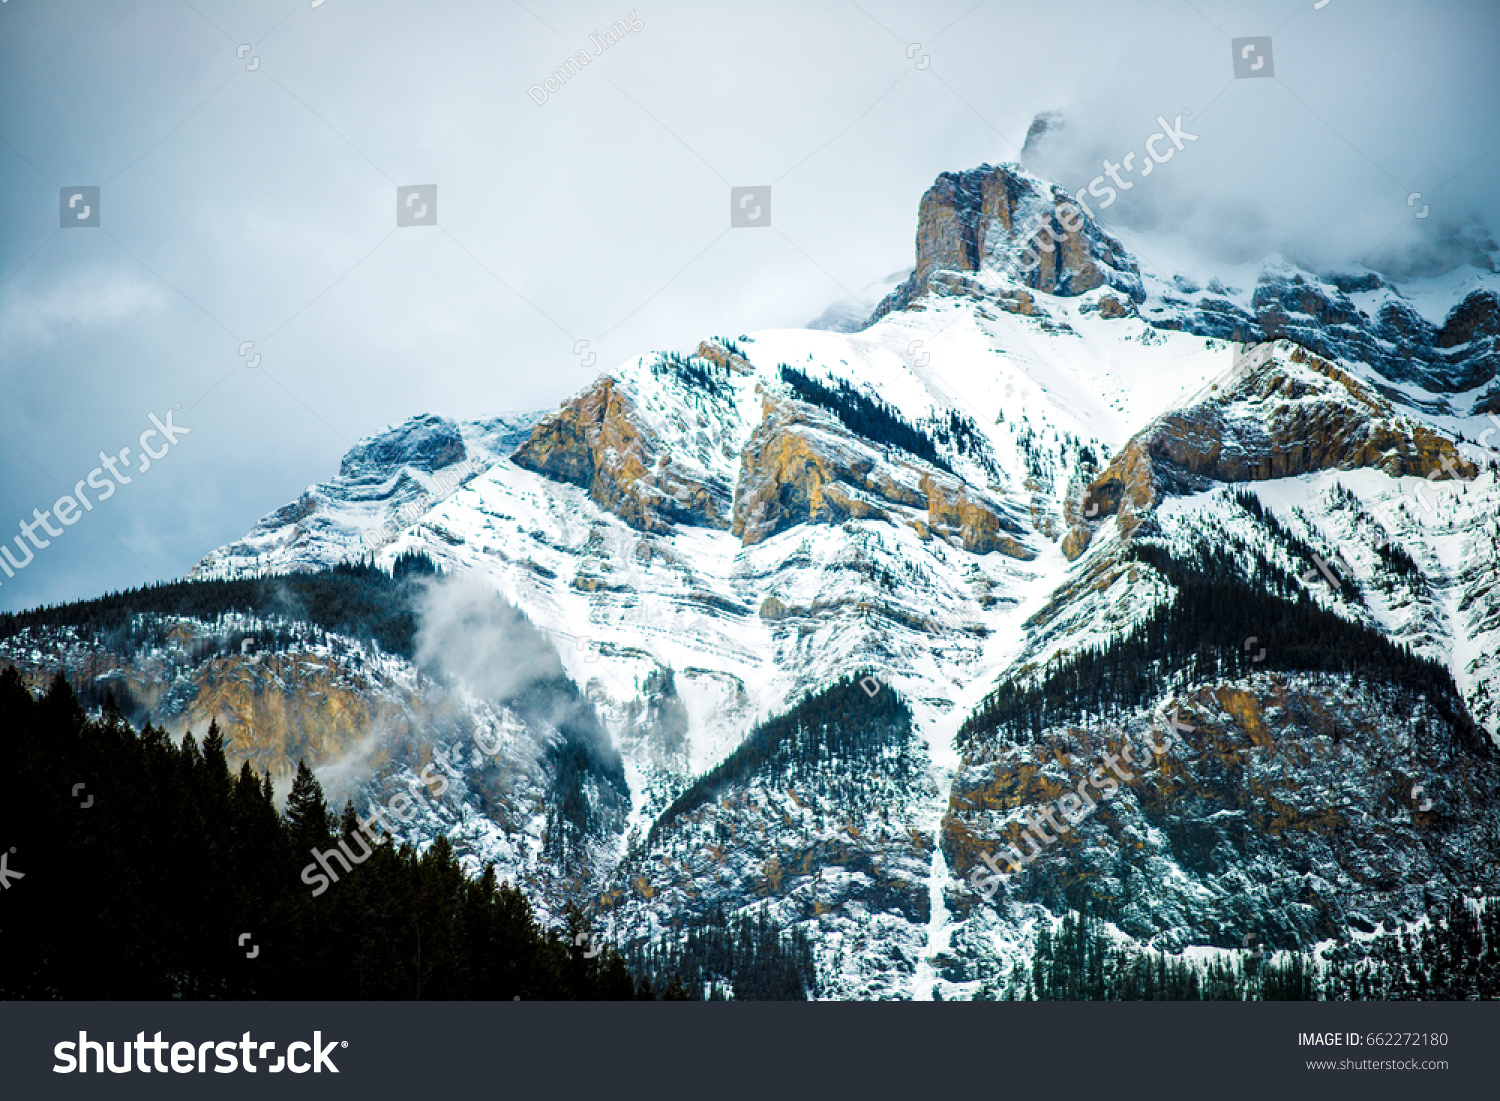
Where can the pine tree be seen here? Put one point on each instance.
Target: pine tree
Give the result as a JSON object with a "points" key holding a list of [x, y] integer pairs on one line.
{"points": [[307, 812]]}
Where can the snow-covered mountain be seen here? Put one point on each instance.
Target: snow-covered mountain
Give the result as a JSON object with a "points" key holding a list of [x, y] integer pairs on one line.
{"points": [[1048, 498]]}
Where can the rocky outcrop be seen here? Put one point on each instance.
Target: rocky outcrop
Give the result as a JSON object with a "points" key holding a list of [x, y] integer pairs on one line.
{"points": [[426, 443], [802, 467], [1316, 312], [840, 852], [274, 709], [596, 442], [1003, 219], [1295, 413], [1477, 317], [385, 482], [957, 514], [956, 284], [1281, 806], [723, 358]]}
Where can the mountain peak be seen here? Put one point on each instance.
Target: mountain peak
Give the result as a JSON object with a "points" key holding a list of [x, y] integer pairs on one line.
{"points": [[1045, 123], [1003, 221]]}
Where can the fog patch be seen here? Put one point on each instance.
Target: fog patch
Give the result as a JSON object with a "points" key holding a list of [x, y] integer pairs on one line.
{"points": [[468, 632]]}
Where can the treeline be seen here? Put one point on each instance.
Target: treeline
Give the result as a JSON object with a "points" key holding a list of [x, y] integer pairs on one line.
{"points": [[747, 958], [705, 376], [835, 733], [356, 600], [1079, 963], [146, 870], [1456, 957], [363, 603], [1200, 633], [866, 416]]}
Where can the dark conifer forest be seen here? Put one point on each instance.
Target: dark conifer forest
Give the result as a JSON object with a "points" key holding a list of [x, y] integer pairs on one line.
{"points": [[839, 732], [1456, 957], [1199, 634], [148, 890], [865, 416]]}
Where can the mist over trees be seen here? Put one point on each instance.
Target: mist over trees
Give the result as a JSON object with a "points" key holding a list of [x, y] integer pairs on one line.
{"points": [[148, 891]]}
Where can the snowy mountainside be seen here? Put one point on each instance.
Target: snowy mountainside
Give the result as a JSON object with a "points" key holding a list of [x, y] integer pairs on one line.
{"points": [[383, 484], [1029, 454]]}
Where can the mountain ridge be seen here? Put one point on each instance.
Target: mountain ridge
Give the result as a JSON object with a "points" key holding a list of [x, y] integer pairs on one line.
{"points": [[1010, 466]]}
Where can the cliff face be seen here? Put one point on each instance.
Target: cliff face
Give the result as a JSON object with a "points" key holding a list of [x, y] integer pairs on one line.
{"points": [[325, 705], [383, 485], [798, 465], [1287, 807], [596, 442], [1357, 318], [1004, 219], [1290, 414], [801, 467], [841, 849]]}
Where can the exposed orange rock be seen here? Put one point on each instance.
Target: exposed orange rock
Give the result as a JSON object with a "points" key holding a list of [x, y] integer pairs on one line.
{"points": [[721, 356], [799, 468], [595, 442], [955, 512], [1314, 418], [1000, 217], [802, 467]]}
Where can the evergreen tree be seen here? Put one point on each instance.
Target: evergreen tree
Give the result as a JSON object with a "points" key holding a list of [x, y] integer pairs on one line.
{"points": [[306, 812], [149, 892]]}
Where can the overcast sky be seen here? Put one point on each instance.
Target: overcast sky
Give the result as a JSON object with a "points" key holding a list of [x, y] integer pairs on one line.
{"points": [[253, 199]]}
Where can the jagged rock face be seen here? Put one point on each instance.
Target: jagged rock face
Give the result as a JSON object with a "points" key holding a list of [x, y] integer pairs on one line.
{"points": [[837, 851], [1477, 317], [1017, 300], [1461, 354], [1293, 414], [285, 708], [802, 467], [857, 884], [429, 443], [384, 483], [595, 442], [955, 511], [274, 709], [1004, 219], [1287, 811]]}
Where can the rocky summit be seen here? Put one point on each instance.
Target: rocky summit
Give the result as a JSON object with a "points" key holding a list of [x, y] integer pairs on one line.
{"points": [[1060, 585]]}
